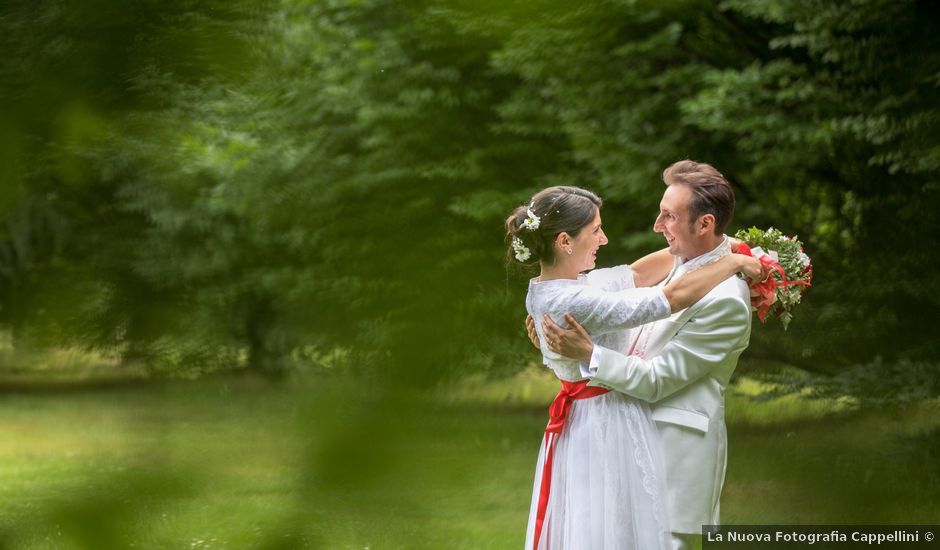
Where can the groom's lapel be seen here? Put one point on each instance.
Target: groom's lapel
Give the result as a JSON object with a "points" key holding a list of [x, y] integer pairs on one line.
{"points": [[646, 340], [662, 331], [665, 330]]}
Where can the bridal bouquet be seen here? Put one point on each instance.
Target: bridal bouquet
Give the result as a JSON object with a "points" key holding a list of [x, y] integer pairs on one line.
{"points": [[788, 271]]}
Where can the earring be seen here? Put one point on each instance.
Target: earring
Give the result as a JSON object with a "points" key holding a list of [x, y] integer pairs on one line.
{"points": [[568, 250]]}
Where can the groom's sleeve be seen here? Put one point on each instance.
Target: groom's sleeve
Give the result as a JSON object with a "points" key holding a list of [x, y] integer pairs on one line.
{"points": [[703, 342]]}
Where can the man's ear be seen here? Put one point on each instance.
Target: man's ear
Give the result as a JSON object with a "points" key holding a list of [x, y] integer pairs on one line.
{"points": [[706, 224]]}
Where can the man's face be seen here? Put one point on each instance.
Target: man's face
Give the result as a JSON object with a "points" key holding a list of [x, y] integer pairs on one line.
{"points": [[675, 224]]}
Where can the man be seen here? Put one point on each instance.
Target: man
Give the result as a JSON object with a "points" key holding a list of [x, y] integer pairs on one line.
{"points": [[682, 364]]}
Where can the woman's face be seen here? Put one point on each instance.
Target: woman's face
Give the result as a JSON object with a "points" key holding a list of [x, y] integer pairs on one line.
{"points": [[584, 246]]}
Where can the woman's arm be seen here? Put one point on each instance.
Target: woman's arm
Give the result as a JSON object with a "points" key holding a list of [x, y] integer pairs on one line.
{"points": [[601, 311], [652, 268], [692, 287]]}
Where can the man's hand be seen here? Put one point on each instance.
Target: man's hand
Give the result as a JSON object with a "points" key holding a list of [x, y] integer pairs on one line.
{"points": [[530, 330], [574, 343]]}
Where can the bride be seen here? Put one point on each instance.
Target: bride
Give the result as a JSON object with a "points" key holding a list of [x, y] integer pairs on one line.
{"points": [[599, 479]]}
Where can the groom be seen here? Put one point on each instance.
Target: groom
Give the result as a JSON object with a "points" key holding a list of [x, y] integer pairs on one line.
{"points": [[682, 364]]}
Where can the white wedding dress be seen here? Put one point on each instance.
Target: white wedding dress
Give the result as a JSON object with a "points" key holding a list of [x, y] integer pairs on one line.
{"points": [[608, 479]]}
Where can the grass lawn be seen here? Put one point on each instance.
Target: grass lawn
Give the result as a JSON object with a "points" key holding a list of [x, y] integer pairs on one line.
{"points": [[240, 463]]}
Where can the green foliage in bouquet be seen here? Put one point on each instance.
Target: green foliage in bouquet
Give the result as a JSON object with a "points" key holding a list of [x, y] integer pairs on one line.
{"points": [[798, 271]]}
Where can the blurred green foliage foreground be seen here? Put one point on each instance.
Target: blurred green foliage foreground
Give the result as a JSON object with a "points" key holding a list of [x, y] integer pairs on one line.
{"points": [[241, 463], [312, 192]]}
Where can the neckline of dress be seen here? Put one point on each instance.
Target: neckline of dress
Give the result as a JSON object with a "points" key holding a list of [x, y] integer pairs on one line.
{"points": [[536, 281]]}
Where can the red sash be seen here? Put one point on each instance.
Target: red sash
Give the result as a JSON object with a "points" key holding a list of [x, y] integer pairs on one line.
{"points": [[557, 414]]}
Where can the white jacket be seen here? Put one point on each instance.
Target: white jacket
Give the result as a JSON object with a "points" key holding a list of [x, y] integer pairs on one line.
{"points": [[685, 365]]}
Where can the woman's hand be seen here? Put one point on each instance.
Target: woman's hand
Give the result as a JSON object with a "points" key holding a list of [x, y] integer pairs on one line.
{"points": [[751, 267]]}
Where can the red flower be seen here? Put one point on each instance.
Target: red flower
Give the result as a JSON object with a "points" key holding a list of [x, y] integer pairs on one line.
{"points": [[742, 249]]}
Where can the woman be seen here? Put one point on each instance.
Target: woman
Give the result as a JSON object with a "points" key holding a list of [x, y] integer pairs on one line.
{"points": [[599, 481]]}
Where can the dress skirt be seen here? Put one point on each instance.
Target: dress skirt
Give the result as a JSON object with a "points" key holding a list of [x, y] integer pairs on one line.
{"points": [[608, 486]]}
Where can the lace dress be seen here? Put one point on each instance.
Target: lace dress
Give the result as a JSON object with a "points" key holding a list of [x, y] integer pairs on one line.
{"points": [[608, 479]]}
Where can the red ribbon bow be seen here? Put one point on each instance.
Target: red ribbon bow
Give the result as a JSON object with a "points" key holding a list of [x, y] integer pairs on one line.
{"points": [[764, 292], [557, 415]]}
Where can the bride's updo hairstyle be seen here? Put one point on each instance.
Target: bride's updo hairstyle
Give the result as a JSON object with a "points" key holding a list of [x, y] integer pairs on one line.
{"points": [[559, 209]]}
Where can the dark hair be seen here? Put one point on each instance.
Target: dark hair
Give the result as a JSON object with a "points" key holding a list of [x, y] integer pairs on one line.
{"points": [[560, 209], [711, 192]]}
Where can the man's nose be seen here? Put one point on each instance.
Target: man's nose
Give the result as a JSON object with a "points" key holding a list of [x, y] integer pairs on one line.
{"points": [[658, 224]]}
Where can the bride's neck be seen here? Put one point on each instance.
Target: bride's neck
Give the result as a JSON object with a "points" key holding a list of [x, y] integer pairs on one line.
{"points": [[562, 271]]}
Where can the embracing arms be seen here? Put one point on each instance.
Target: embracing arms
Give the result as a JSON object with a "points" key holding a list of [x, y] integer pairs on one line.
{"points": [[690, 288], [601, 311], [652, 268], [716, 335]]}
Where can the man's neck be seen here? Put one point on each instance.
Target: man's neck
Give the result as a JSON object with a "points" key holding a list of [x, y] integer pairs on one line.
{"points": [[707, 246]]}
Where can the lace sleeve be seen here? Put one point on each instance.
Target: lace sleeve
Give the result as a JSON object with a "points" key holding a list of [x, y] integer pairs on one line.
{"points": [[612, 278], [602, 311]]}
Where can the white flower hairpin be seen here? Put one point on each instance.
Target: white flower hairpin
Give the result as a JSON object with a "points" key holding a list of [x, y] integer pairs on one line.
{"points": [[532, 221], [522, 252]]}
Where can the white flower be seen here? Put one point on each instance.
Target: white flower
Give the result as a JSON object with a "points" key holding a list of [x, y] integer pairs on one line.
{"points": [[522, 253], [532, 222], [804, 259]]}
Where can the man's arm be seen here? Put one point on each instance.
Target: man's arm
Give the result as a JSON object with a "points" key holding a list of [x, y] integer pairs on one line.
{"points": [[693, 352]]}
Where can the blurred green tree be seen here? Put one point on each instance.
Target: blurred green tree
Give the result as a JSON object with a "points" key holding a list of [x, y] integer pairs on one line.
{"points": [[832, 135], [335, 174], [66, 81]]}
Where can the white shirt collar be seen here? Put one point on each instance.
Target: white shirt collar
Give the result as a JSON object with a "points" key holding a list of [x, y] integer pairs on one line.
{"points": [[686, 266]]}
